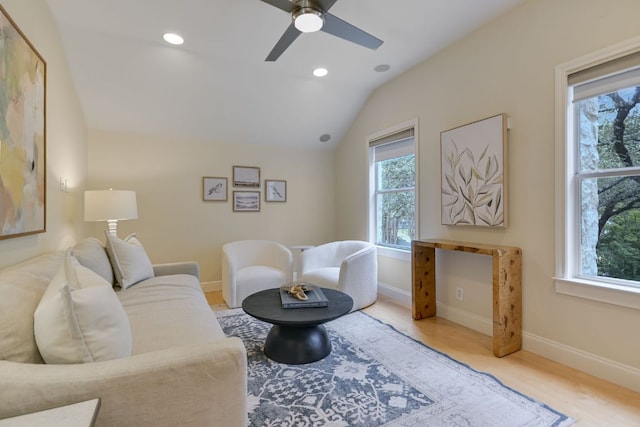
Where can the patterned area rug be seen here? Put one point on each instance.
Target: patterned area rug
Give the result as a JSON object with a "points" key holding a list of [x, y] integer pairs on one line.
{"points": [[376, 376]]}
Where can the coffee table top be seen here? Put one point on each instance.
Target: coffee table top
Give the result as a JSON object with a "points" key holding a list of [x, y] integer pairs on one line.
{"points": [[267, 306]]}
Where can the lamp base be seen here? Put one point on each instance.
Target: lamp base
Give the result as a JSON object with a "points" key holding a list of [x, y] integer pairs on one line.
{"points": [[112, 224]]}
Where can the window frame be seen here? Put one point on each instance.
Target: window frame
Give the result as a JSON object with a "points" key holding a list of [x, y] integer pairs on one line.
{"points": [[397, 253], [567, 194]]}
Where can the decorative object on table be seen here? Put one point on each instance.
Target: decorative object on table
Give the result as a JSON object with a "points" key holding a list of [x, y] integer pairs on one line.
{"points": [[246, 176], [23, 118], [375, 375], [275, 190], [111, 206], [214, 189], [246, 201], [474, 173], [302, 295]]}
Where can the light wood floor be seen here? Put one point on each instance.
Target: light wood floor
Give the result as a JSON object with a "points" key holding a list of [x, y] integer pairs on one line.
{"points": [[588, 400]]}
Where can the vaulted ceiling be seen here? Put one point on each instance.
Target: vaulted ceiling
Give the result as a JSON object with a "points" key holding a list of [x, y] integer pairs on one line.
{"points": [[217, 86]]}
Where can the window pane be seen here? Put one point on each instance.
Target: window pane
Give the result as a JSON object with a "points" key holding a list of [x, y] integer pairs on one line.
{"points": [[396, 219], [609, 130], [396, 173], [610, 227]]}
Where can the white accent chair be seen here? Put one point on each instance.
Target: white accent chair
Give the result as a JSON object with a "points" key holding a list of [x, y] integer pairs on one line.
{"points": [[350, 266], [250, 266]]}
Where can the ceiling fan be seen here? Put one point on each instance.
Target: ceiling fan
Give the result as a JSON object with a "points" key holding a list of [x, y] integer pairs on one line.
{"points": [[308, 16]]}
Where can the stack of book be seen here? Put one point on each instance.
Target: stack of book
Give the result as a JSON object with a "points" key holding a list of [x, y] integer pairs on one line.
{"points": [[315, 298]]}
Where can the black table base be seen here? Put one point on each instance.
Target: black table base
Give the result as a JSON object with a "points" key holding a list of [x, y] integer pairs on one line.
{"points": [[297, 335], [298, 344]]}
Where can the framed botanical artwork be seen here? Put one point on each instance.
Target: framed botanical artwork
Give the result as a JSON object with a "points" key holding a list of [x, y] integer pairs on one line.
{"points": [[474, 173], [246, 176], [246, 201], [275, 190], [23, 103], [214, 189]]}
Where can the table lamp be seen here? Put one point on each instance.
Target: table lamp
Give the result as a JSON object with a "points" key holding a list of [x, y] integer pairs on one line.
{"points": [[111, 206]]}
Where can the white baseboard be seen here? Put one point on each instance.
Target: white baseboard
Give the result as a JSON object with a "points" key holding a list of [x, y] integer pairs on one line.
{"points": [[398, 295], [606, 369], [211, 286], [464, 318]]}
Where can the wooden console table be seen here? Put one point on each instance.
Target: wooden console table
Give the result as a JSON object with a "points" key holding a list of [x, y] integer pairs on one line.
{"points": [[507, 287]]}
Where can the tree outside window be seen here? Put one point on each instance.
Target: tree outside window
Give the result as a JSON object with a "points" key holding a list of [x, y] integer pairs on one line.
{"points": [[393, 188], [608, 181], [395, 201]]}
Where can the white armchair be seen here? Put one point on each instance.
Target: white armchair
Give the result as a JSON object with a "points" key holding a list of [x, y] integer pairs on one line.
{"points": [[250, 266], [350, 266]]}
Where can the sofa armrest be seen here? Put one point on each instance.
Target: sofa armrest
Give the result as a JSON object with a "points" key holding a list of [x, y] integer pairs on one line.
{"points": [[187, 267], [195, 385]]}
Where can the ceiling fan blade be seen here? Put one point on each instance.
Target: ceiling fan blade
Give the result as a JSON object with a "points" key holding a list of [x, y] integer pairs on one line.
{"points": [[285, 41], [284, 5], [339, 28]]}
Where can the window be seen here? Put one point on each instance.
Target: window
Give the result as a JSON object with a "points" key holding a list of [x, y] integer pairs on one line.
{"points": [[393, 188], [600, 236]]}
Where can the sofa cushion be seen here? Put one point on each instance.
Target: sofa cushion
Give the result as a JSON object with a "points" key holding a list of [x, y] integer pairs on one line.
{"points": [[21, 287], [129, 260], [169, 311], [91, 254], [80, 318]]}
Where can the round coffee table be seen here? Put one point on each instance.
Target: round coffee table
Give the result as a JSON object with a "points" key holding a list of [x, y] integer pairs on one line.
{"points": [[297, 335]]}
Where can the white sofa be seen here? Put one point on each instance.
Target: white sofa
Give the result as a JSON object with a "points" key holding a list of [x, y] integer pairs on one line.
{"points": [[182, 369], [350, 266]]}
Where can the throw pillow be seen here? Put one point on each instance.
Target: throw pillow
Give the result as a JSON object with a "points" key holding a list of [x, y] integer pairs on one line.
{"points": [[91, 254], [80, 319], [129, 260]]}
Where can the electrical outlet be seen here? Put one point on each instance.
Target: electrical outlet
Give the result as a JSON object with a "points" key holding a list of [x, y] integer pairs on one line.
{"points": [[459, 294]]}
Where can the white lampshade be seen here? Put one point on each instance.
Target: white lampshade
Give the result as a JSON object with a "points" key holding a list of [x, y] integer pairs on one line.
{"points": [[110, 206]]}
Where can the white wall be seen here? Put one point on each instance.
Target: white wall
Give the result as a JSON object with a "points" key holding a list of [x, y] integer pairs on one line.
{"points": [[507, 66], [66, 145], [175, 224]]}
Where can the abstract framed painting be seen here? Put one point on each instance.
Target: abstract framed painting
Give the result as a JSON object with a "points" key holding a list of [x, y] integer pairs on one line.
{"points": [[22, 135], [474, 173]]}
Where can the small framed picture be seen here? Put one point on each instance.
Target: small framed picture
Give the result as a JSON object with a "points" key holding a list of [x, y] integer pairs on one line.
{"points": [[214, 189], [246, 176], [246, 201], [275, 190]]}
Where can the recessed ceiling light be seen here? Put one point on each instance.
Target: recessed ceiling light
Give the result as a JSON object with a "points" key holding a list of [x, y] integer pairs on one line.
{"points": [[382, 68], [173, 38], [320, 72]]}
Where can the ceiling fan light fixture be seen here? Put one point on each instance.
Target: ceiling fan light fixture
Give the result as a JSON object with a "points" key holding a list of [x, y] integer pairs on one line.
{"points": [[308, 19]]}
